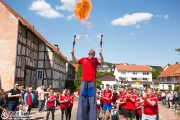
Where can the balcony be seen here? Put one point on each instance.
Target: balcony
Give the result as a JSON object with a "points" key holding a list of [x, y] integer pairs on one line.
{"points": [[175, 81]]}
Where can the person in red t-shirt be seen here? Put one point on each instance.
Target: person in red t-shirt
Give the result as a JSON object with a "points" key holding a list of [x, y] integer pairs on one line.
{"points": [[63, 103], [122, 104], [87, 99], [130, 104], [70, 103], [107, 97], [150, 105], [138, 108], [51, 103], [29, 99], [114, 97]]}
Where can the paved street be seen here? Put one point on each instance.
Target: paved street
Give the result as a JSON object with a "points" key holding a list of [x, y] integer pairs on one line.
{"points": [[163, 111]]}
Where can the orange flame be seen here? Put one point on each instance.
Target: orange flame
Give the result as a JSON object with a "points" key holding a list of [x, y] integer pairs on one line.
{"points": [[82, 9]]}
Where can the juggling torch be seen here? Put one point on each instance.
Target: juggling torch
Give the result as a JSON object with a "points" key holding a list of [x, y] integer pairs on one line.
{"points": [[101, 42], [74, 41]]}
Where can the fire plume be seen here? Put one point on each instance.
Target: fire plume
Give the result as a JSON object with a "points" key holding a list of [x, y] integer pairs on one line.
{"points": [[82, 9]]}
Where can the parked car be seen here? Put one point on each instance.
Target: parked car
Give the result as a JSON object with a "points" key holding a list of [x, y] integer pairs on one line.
{"points": [[159, 96]]}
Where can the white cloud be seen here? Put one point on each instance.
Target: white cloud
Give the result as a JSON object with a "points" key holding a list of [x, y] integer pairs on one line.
{"points": [[132, 34], [44, 9], [69, 17], [68, 5], [159, 15], [166, 16], [132, 19], [138, 26]]}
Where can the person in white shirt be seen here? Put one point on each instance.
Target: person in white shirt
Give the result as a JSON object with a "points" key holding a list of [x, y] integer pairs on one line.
{"points": [[169, 99]]}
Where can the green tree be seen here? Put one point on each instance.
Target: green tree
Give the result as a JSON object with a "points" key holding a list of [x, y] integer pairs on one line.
{"points": [[156, 73], [98, 74], [79, 71], [77, 84], [178, 50], [111, 72], [98, 83], [176, 88], [106, 72]]}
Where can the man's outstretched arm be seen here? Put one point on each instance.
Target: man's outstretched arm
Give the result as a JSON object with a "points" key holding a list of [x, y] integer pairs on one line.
{"points": [[73, 56]]}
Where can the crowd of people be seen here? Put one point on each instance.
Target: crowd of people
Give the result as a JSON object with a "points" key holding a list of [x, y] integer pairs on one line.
{"points": [[170, 98], [131, 104], [19, 101]]}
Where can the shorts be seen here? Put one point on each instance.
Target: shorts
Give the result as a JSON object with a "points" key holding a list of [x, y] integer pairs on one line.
{"points": [[107, 107], [122, 111], [148, 117], [98, 113], [130, 113]]}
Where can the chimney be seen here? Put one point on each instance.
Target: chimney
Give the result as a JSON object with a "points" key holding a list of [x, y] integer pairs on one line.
{"points": [[56, 47], [177, 63]]}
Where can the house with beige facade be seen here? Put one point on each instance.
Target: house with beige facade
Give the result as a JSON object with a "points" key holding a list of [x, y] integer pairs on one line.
{"points": [[27, 58]]}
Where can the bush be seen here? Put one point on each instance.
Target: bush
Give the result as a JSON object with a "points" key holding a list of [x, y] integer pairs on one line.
{"points": [[176, 88], [69, 84]]}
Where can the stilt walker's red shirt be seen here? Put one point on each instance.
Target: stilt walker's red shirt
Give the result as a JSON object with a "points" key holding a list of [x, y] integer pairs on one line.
{"points": [[89, 68]]}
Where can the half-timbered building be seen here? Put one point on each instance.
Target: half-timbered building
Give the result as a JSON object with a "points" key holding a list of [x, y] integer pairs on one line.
{"points": [[27, 58], [169, 78]]}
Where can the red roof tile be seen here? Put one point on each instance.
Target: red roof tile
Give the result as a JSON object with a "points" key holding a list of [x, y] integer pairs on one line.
{"points": [[177, 72], [24, 22], [135, 68], [170, 71]]}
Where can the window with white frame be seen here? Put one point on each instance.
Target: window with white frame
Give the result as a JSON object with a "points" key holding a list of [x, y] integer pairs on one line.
{"points": [[39, 74], [123, 73], [145, 73], [144, 78], [134, 78], [134, 73]]}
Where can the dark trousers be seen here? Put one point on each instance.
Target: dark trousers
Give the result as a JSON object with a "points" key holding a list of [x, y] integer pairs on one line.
{"points": [[41, 105], [29, 108], [52, 110], [69, 109], [138, 116], [168, 104], [63, 110], [0, 114], [12, 107]]}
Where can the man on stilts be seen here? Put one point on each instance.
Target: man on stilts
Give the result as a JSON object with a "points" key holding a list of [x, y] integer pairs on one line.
{"points": [[87, 98]]}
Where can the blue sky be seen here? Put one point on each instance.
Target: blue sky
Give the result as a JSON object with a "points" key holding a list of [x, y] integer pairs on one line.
{"points": [[142, 32]]}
